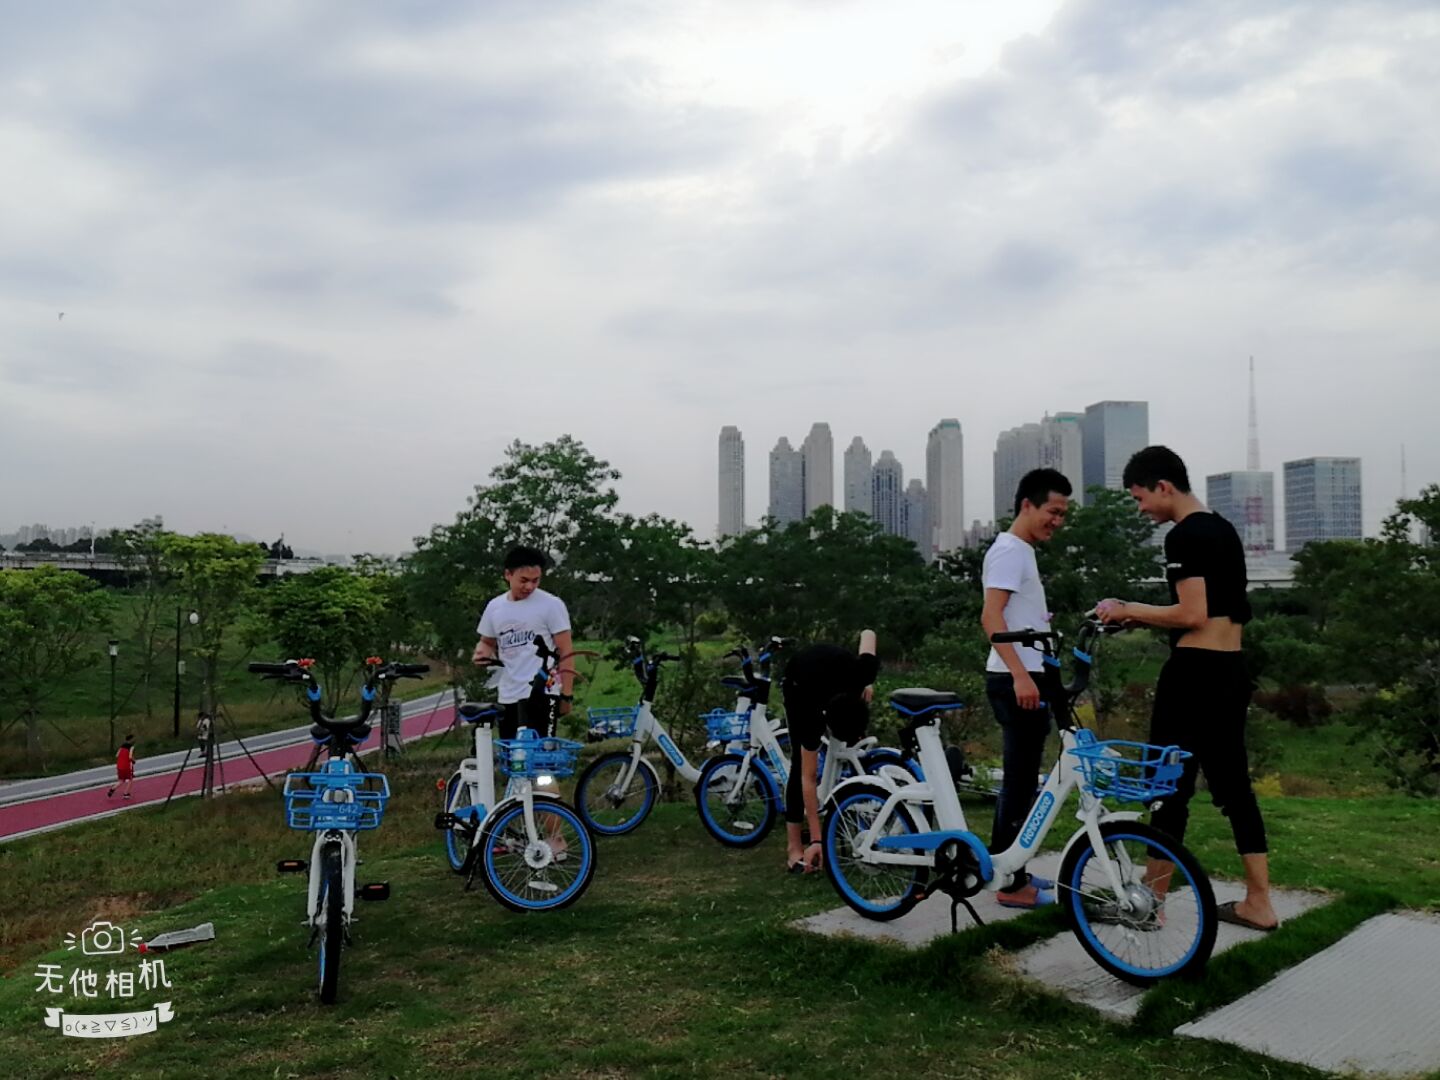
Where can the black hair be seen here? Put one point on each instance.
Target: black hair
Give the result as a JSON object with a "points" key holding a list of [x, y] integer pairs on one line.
{"points": [[1153, 464], [1037, 484], [129, 738], [521, 555]]}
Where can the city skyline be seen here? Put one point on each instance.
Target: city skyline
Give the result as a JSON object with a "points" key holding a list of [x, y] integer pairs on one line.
{"points": [[319, 267]]}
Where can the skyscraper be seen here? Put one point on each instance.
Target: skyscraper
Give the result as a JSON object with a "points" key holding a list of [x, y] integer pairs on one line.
{"points": [[945, 485], [915, 518], [1322, 500], [817, 454], [1112, 431], [1017, 451], [859, 498], [1246, 499], [888, 484], [732, 483], [787, 483]]}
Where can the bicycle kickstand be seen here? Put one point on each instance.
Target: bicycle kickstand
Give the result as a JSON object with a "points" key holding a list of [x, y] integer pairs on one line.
{"points": [[955, 902]]}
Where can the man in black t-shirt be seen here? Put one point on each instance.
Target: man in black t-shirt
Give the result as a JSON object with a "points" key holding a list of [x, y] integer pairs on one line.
{"points": [[1203, 692], [827, 689]]}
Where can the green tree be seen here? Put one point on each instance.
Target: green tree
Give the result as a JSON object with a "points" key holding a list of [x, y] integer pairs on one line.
{"points": [[49, 620], [826, 578], [1106, 549], [141, 550], [215, 574], [333, 615]]}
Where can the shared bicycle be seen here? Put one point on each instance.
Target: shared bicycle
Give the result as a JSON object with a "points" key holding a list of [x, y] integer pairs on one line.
{"points": [[336, 804], [1138, 901], [532, 849], [740, 793]]}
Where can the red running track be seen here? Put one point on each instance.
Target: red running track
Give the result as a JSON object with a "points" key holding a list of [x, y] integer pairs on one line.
{"points": [[54, 811]]}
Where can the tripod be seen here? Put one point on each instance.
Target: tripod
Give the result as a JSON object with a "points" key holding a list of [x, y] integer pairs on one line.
{"points": [[210, 760]]}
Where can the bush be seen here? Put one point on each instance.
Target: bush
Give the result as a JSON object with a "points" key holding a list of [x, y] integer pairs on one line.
{"points": [[1298, 704]]}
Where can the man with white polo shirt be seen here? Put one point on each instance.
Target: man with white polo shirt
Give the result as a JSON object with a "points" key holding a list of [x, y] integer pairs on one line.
{"points": [[1015, 600], [508, 629]]}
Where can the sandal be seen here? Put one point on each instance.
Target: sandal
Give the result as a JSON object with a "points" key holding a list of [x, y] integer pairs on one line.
{"points": [[1226, 913]]}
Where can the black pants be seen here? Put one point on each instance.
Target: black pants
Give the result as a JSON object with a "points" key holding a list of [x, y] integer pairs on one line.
{"points": [[540, 712], [1024, 732], [1200, 704]]}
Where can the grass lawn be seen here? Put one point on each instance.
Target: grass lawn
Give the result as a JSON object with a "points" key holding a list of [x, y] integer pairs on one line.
{"points": [[676, 962]]}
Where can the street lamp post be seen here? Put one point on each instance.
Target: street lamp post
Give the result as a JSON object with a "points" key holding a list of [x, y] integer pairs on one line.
{"points": [[179, 669], [114, 652]]}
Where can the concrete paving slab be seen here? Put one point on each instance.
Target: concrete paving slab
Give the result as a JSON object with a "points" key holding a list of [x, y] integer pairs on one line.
{"points": [[1062, 965], [929, 920], [1059, 962], [1367, 1004]]}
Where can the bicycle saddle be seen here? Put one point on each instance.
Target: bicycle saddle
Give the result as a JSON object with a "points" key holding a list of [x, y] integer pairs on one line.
{"points": [[918, 699], [472, 712], [735, 682]]}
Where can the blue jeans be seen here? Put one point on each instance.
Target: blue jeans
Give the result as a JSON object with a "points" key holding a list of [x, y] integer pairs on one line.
{"points": [[1024, 732]]}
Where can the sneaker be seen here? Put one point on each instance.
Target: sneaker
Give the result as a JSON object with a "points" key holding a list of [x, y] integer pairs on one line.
{"points": [[126, 795], [110, 794]]}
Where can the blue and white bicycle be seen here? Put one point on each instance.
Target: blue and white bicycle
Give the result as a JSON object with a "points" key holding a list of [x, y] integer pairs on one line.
{"points": [[617, 791], [1138, 902], [336, 803], [740, 793], [531, 848]]}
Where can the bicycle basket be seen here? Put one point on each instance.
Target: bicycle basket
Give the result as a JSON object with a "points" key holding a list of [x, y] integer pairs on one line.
{"points": [[614, 722], [724, 727], [1129, 771], [347, 800], [535, 757]]}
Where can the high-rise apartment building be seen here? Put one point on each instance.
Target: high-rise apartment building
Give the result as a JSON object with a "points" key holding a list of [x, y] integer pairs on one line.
{"points": [[732, 483], [945, 485], [859, 496], [787, 483], [888, 486], [1111, 432], [915, 518], [817, 454], [1322, 500], [1246, 499]]}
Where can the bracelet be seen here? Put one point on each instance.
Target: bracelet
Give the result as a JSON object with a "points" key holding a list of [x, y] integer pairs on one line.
{"points": [[566, 697]]}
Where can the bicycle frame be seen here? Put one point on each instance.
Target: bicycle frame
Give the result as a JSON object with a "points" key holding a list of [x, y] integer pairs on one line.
{"points": [[935, 803]]}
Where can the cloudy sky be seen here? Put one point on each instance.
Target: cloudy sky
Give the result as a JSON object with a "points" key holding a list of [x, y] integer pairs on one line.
{"points": [[320, 262]]}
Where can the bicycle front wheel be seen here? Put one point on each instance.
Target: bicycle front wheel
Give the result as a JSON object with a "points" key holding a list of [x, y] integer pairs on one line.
{"points": [[460, 836], [332, 929], [737, 802], [544, 875], [880, 891], [1169, 926], [608, 806]]}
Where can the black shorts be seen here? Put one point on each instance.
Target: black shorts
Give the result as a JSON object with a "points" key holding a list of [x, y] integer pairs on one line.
{"points": [[540, 712]]}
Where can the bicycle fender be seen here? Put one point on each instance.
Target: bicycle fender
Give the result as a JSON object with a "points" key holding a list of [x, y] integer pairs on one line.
{"points": [[1117, 815]]}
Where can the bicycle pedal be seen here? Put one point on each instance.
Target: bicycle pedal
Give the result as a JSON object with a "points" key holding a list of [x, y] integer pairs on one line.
{"points": [[444, 821], [291, 866], [377, 890]]}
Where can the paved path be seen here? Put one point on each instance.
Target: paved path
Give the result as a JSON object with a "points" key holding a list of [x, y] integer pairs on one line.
{"points": [[1367, 1004], [35, 806]]}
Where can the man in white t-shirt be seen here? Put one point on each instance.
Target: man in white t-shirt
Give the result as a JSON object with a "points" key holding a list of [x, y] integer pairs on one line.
{"points": [[508, 629], [1015, 600]]}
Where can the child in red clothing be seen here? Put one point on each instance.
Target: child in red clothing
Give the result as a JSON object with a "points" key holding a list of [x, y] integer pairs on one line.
{"points": [[124, 767]]}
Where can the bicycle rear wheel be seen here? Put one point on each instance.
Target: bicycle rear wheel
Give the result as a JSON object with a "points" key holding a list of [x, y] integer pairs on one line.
{"points": [[608, 808], [737, 807], [459, 837], [332, 928], [1169, 929], [880, 891]]}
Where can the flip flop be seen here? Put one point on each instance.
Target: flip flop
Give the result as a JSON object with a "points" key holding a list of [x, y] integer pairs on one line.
{"points": [[1043, 898], [1226, 913]]}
